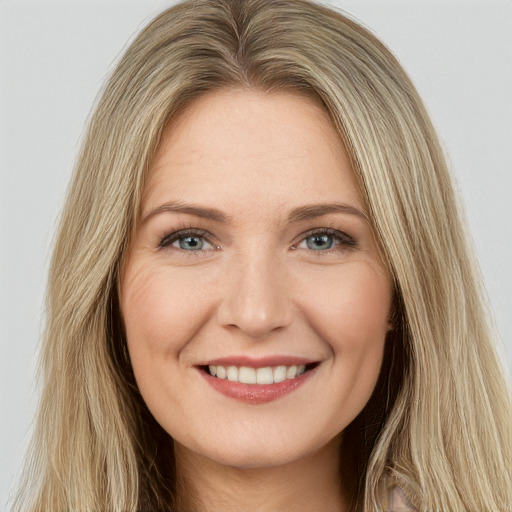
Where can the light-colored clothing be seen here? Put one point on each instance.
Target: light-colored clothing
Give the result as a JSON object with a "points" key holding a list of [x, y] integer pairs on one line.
{"points": [[399, 502]]}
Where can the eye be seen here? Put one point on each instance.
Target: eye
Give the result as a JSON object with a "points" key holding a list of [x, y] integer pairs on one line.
{"points": [[326, 240], [320, 242], [192, 243], [187, 240]]}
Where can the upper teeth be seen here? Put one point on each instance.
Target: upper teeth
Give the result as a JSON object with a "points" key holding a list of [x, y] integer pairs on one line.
{"points": [[266, 375]]}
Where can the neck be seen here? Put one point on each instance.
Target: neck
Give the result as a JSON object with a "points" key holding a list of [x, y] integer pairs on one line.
{"points": [[311, 484]]}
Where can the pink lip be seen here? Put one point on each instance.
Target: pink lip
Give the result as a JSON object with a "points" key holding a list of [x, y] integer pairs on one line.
{"points": [[256, 393], [261, 362]]}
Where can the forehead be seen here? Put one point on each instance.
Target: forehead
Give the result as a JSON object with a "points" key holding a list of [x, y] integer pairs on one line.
{"points": [[252, 148]]}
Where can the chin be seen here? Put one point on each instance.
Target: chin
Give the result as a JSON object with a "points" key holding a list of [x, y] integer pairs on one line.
{"points": [[255, 457], [259, 452]]}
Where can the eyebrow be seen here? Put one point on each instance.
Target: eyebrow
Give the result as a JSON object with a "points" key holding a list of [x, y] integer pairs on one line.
{"points": [[297, 214], [198, 211], [318, 210]]}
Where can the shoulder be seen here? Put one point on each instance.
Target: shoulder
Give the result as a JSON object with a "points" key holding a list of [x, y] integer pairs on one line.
{"points": [[398, 501]]}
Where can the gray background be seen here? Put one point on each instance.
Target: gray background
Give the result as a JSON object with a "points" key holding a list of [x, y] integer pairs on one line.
{"points": [[53, 59]]}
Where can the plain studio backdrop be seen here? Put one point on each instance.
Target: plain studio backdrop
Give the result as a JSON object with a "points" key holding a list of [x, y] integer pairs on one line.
{"points": [[54, 57]]}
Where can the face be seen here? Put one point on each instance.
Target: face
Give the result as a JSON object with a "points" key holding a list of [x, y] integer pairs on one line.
{"points": [[253, 296]]}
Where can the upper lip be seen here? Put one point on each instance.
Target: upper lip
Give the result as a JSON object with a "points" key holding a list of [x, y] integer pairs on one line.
{"points": [[260, 362]]}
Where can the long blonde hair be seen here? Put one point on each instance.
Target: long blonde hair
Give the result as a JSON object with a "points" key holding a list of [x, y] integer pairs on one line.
{"points": [[440, 420]]}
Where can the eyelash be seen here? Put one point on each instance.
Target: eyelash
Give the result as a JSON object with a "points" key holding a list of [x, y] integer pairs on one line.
{"points": [[180, 234], [343, 240]]}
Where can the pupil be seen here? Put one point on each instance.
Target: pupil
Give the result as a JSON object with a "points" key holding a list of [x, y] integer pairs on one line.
{"points": [[191, 242], [320, 242]]}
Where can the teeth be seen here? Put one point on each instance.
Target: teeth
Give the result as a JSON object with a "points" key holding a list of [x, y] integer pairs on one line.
{"points": [[232, 373], [291, 372], [279, 373], [247, 375], [266, 375]]}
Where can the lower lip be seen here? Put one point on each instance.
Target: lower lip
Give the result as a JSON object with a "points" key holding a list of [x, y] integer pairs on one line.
{"points": [[256, 393]]}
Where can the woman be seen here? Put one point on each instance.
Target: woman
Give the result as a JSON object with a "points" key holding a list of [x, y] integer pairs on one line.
{"points": [[261, 296]]}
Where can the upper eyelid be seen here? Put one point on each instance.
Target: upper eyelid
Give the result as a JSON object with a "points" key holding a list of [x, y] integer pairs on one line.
{"points": [[329, 231]]}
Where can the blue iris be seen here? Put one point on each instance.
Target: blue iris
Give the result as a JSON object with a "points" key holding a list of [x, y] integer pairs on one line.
{"points": [[191, 243], [320, 242]]}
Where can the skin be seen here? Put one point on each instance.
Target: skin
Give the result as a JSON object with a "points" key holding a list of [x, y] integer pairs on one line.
{"points": [[260, 287]]}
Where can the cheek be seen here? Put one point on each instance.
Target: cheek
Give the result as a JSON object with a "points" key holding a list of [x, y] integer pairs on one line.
{"points": [[351, 309], [351, 313], [162, 309], [161, 313]]}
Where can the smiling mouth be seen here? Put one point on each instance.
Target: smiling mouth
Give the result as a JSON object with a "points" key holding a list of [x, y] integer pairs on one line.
{"points": [[264, 375]]}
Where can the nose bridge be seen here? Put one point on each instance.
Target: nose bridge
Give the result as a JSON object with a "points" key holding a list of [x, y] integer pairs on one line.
{"points": [[255, 296]]}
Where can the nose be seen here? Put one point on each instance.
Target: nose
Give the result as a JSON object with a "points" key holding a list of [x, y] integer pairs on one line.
{"points": [[256, 297]]}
